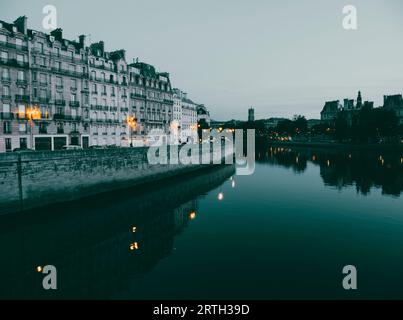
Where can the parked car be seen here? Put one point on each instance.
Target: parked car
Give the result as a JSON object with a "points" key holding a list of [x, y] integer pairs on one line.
{"points": [[72, 147]]}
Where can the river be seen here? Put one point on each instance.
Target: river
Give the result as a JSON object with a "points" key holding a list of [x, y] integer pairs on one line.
{"points": [[285, 232]]}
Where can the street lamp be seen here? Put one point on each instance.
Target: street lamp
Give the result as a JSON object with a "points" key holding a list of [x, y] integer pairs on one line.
{"points": [[32, 113], [132, 123]]}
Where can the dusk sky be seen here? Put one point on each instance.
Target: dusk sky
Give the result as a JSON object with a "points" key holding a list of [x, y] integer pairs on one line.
{"points": [[281, 57]]}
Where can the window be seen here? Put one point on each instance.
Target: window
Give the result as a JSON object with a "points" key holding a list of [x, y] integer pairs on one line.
{"points": [[6, 74], [112, 91], [6, 91], [43, 78], [20, 58], [94, 87], [21, 110], [104, 89], [21, 75], [22, 127], [34, 76], [23, 143], [57, 52], [6, 108], [43, 62], [58, 65], [7, 128], [3, 38], [93, 75], [73, 97], [72, 68], [59, 82], [4, 55], [104, 102], [74, 83], [103, 76], [39, 45], [8, 144], [43, 93]]}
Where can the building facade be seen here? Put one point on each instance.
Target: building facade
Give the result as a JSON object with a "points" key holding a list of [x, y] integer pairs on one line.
{"points": [[394, 103], [57, 92]]}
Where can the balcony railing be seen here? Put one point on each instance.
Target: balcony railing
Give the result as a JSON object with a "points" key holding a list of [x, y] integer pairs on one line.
{"points": [[69, 72], [43, 100], [21, 82], [5, 79], [137, 95], [60, 102], [74, 104], [66, 58], [103, 80], [7, 115], [13, 46], [22, 98], [6, 97], [59, 87], [103, 67], [60, 116], [14, 63]]}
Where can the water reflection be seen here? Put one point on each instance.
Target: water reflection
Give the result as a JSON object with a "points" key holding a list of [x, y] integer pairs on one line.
{"points": [[98, 245], [363, 169]]}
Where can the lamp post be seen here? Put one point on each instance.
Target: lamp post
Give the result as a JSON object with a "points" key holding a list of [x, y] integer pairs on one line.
{"points": [[132, 123], [32, 113]]}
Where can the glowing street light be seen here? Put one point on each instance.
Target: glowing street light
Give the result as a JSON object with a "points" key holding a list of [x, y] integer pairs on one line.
{"points": [[192, 215], [31, 113], [134, 246], [220, 196], [132, 123]]}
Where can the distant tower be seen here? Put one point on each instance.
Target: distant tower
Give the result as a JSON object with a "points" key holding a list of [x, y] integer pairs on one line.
{"points": [[251, 114], [359, 100]]}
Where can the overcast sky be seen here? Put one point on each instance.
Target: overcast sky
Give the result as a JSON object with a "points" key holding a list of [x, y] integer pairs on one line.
{"points": [[282, 57]]}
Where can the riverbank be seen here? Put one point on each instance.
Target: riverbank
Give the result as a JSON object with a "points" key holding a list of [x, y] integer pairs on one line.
{"points": [[339, 146], [35, 179]]}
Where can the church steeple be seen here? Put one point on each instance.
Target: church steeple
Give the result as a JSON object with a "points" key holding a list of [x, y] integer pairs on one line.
{"points": [[359, 100]]}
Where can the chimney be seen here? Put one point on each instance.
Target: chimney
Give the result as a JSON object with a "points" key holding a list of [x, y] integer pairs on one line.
{"points": [[21, 24], [82, 41], [58, 34], [102, 47]]}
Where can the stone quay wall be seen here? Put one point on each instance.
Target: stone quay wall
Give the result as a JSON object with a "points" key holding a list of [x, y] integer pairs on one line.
{"points": [[34, 179]]}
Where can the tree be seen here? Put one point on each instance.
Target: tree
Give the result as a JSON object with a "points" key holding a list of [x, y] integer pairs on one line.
{"points": [[342, 128]]}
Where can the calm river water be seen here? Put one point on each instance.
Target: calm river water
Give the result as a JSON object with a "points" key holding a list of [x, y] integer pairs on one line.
{"points": [[284, 232]]}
